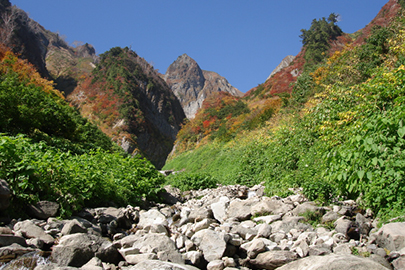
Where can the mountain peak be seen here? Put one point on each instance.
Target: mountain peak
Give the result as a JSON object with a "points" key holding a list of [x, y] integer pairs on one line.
{"points": [[192, 85]]}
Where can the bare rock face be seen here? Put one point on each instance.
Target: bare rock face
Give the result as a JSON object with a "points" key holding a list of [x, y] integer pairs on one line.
{"points": [[284, 63], [192, 85]]}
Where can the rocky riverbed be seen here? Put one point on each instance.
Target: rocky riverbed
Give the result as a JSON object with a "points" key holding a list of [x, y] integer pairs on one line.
{"points": [[230, 227]]}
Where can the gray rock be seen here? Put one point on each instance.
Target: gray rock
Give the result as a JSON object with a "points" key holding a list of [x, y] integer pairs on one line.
{"points": [[137, 258], [219, 208], [263, 230], [240, 209], [43, 209], [381, 260], [5, 195], [6, 230], [159, 244], [267, 219], [341, 225], [271, 206], [159, 265], [29, 230], [318, 251], [273, 259], [330, 216], [73, 226], [152, 216], [305, 207], [77, 249], [332, 261], [363, 223], [94, 264], [194, 256], [343, 249], [391, 236], [211, 243], [216, 265], [257, 246], [6, 240], [399, 264], [200, 213]]}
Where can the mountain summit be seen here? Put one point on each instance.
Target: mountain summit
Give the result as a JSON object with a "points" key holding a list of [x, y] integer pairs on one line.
{"points": [[192, 85]]}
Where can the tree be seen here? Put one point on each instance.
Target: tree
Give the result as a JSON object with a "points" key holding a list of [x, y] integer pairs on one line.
{"points": [[316, 39], [8, 26]]}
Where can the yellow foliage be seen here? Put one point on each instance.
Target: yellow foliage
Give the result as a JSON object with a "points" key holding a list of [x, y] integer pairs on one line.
{"points": [[27, 73]]}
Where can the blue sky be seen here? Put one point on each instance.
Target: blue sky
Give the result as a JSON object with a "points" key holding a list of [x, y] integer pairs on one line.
{"points": [[239, 39]]}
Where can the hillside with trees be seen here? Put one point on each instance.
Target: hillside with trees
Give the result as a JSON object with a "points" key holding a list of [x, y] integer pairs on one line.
{"points": [[130, 103], [337, 130]]}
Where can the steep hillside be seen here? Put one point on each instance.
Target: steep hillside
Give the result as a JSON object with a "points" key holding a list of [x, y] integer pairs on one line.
{"points": [[48, 151], [129, 101], [338, 134], [192, 85]]}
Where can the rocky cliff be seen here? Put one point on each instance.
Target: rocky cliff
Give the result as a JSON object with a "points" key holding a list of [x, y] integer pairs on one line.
{"points": [[131, 103], [192, 85]]}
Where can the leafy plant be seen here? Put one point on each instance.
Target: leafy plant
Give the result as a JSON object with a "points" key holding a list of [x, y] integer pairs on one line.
{"points": [[190, 181]]}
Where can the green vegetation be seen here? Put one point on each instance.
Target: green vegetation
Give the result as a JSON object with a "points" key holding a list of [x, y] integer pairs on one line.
{"points": [[317, 39], [191, 181], [49, 152], [341, 136], [36, 171]]}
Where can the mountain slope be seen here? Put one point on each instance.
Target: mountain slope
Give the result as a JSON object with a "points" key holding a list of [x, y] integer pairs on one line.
{"points": [[192, 85], [339, 133], [129, 101]]}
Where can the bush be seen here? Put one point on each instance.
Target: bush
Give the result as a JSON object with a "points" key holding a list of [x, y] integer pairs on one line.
{"points": [[192, 181], [36, 171]]}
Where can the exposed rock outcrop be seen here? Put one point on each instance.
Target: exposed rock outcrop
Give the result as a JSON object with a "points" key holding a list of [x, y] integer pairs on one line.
{"points": [[192, 85], [284, 63]]}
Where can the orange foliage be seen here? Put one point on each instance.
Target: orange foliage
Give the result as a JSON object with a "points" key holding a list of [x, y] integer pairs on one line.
{"points": [[26, 72]]}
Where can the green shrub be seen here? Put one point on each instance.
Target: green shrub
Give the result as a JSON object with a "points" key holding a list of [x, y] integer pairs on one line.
{"points": [[36, 171], [192, 181]]}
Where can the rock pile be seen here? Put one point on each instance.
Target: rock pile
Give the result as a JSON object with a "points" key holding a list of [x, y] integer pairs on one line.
{"points": [[230, 227]]}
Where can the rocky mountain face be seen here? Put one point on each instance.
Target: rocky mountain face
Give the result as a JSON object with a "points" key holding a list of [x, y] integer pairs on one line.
{"points": [[229, 227], [131, 103], [192, 85]]}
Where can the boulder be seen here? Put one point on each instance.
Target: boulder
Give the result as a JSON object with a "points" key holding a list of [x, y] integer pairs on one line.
{"points": [[5, 195], [271, 206], [6, 240], [273, 259], [211, 243], [219, 209], [137, 258], [200, 213], [77, 249], [216, 265], [43, 210], [29, 230], [332, 261], [267, 219], [13, 251], [73, 226], [152, 216], [154, 265], [240, 209], [94, 264], [306, 207], [161, 245], [392, 236], [330, 216]]}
